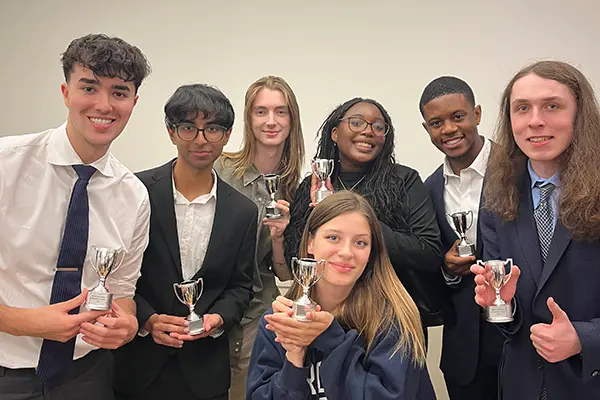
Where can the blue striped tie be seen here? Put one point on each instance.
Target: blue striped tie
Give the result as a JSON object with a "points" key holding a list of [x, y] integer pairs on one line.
{"points": [[55, 357]]}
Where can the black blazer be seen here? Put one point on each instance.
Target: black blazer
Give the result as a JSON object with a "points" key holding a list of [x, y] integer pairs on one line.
{"points": [[463, 347], [571, 276], [227, 273]]}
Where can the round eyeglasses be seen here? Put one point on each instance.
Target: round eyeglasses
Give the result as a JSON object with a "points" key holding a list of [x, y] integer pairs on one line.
{"points": [[359, 125], [211, 132]]}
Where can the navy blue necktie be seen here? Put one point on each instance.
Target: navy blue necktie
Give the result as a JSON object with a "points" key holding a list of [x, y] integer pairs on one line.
{"points": [[55, 357]]}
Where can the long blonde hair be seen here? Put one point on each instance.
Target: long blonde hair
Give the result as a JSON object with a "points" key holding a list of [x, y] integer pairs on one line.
{"points": [[292, 159], [579, 197], [378, 302]]}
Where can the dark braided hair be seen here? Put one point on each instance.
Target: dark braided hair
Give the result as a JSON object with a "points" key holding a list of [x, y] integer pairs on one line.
{"points": [[383, 186]]}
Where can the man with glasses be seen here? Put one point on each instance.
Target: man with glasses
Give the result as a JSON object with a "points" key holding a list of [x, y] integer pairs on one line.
{"points": [[200, 227]]}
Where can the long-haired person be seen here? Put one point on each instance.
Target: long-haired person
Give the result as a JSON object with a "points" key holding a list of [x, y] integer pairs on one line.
{"points": [[365, 339], [272, 144], [359, 136], [542, 202]]}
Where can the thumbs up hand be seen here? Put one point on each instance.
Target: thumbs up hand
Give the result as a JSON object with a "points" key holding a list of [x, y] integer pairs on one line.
{"points": [[557, 341]]}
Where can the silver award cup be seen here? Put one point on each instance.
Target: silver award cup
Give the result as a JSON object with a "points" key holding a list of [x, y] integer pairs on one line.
{"points": [[104, 261], [272, 182], [188, 292], [496, 277], [306, 273], [461, 224], [322, 168]]}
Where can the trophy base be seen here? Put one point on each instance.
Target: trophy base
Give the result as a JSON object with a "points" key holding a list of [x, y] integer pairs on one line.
{"points": [[499, 314], [301, 309], [321, 194], [98, 301], [272, 213], [465, 250], [196, 327]]}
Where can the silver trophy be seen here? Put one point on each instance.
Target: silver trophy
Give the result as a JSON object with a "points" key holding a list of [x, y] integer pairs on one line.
{"points": [[104, 261], [322, 168], [464, 247], [272, 182], [306, 273], [188, 292], [496, 277]]}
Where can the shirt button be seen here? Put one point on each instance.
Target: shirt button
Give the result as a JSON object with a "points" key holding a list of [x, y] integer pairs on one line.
{"points": [[237, 343], [237, 350], [540, 364], [595, 373]]}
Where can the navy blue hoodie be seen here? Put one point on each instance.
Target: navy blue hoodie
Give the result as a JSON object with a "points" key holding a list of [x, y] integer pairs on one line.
{"points": [[336, 367]]}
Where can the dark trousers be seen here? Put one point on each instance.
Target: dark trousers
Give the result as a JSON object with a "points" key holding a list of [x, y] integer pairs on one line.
{"points": [[169, 384], [89, 378]]}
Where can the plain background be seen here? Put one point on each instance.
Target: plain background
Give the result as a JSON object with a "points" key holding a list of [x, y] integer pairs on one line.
{"points": [[328, 51]]}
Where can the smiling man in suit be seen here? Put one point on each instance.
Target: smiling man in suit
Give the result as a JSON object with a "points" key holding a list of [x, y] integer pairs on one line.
{"points": [[471, 349], [200, 227]]}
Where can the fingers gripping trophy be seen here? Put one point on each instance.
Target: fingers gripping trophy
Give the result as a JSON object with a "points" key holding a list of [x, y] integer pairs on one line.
{"points": [[188, 292], [496, 277]]}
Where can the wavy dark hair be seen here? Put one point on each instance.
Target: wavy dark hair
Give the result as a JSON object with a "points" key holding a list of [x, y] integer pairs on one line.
{"points": [[383, 186], [105, 56], [579, 197]]}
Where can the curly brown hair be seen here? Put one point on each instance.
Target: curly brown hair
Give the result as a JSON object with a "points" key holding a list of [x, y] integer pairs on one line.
{"points": [[579, 197]]}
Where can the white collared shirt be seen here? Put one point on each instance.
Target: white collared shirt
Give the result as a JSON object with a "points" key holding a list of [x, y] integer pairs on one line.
{"points": [[463, 192], [194, 227], [36, 181]]}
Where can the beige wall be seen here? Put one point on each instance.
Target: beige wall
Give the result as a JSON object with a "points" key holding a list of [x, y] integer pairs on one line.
{"points": [[328, 51]]}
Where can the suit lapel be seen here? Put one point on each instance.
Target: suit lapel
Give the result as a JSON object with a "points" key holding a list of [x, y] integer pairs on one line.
{"points": [[219, 227], [164, 207], [440, 208], [558, 245], [527, 231]]}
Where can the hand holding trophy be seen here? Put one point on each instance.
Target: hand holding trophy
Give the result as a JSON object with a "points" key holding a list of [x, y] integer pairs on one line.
{"points": [[496, 277], [104, 260], [188, 292], [306, 273]]}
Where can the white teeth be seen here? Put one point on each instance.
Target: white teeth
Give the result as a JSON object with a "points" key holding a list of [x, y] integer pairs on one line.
{"points": [[101, 121], [539, 139], [363, 144], [453, 141]]}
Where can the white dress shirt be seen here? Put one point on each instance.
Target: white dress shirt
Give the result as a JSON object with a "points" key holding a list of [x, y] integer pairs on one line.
{"points": [[463, 192], [194, 227], [36, 181]]}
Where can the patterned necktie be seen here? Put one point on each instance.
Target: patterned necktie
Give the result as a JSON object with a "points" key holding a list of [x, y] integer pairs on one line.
{"points": [[544, 218], [55, 357]]}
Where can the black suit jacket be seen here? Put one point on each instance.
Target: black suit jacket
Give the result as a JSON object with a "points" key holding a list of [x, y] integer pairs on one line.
{"points": [[571, 276], [227, 273], [464, 347]]}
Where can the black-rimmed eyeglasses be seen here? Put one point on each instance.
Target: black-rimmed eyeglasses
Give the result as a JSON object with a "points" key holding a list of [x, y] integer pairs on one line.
{"points": [[189, 132], [359, 125]]}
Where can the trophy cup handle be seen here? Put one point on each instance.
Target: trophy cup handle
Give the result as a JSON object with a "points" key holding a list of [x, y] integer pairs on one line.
{"points": [[331, 166], [175, 286], [482, 264], [508, 263], [470, 212], [313, 166], [121, 253], [324, 262], [295, 261], [199, 282]]}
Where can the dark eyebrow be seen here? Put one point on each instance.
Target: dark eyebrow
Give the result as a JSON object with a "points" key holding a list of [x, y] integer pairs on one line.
{"points": [[97, 82]]}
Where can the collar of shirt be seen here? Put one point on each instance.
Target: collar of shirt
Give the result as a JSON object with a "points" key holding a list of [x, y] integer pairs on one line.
{"points": [[61, 152], [554, 179], [478, 165], [202, 199], [251, 175]]}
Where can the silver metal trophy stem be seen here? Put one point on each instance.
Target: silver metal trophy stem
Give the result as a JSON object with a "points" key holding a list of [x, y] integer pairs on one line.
{"points": [[306, 274], [496, 277]]}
